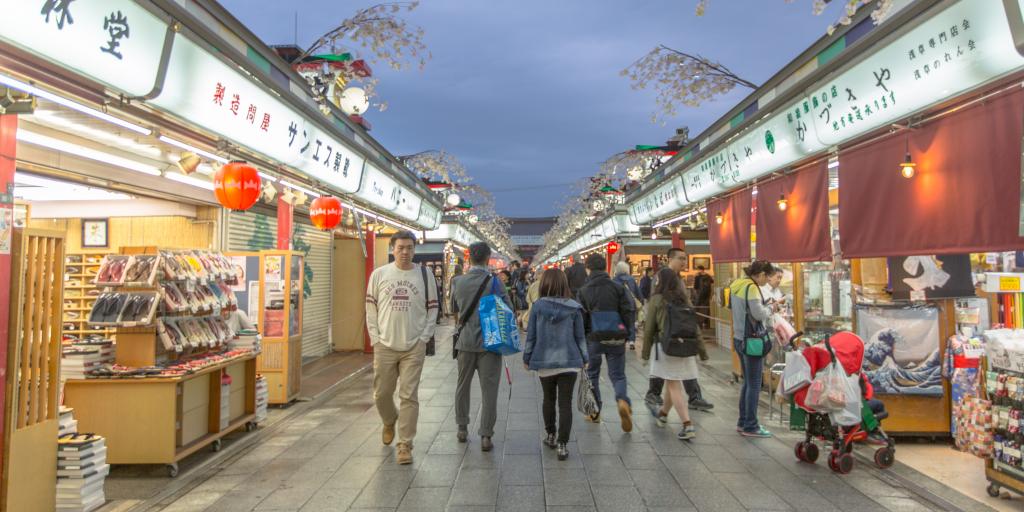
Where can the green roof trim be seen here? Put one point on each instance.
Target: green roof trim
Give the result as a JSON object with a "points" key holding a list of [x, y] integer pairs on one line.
{"points": [[832, 51], [335, 57], [734, 122], [260, 61]]}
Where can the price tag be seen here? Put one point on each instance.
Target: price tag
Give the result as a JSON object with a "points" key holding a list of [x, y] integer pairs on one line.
{"points": [[917, 295], [1009, 283]]}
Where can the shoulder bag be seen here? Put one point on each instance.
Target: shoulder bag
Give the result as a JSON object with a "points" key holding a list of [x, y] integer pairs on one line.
{"points": [[756, 341], [465, 316]]}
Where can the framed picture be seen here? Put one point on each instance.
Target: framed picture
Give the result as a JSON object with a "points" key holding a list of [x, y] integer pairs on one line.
{"points": [[94, 232], [645, 263], [700, 261]]}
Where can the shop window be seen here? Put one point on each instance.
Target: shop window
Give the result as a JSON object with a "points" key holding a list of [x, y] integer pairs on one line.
{"points": [[827, 299]]}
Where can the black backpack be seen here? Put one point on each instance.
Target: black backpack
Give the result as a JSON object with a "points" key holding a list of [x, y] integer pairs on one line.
{"points": [[679, 338]]}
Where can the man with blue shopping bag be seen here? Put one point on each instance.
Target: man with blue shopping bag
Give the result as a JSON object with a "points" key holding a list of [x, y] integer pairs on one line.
{"points": [[467, 291], [608, 317]]}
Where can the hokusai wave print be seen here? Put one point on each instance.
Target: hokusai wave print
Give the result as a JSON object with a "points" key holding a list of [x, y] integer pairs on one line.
{"points": [[901, 352]]}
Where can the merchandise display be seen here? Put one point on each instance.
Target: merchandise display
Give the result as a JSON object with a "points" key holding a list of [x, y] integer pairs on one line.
{"points": [[81, 470], [960, 368], [261, 398], [67, 422], [81, 358], [1004, 387], [80, 294]]}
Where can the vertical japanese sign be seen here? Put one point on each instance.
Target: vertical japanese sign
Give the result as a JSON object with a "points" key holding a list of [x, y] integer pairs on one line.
{"points": [[115, 42]]}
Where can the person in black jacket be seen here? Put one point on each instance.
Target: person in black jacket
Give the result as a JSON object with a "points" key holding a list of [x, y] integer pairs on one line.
{"points": [[577, 276], [646, 284], [607, 310]]}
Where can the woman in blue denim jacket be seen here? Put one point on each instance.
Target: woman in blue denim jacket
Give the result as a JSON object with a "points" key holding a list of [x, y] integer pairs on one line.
{"points": [[556, 348]]}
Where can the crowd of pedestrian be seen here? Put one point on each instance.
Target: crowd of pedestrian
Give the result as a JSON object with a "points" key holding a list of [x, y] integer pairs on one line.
{"points": [[575, 321]]}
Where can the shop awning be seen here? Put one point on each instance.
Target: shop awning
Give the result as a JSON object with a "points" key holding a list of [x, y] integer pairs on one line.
{"points": [[964, 196], [801, 231], [730, 240]]}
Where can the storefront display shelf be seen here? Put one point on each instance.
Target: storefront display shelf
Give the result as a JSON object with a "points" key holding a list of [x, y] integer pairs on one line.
{"points": [[204, 371]]}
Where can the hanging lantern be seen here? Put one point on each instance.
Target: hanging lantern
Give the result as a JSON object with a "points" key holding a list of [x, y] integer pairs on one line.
{"points": [[325, 212], [237, 185], [613, 247]]}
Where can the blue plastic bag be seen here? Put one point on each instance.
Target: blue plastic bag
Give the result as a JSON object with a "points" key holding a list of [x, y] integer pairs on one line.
{"points": [[498, 326]]}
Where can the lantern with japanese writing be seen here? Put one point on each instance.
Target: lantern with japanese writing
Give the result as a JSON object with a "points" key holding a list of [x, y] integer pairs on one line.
{"points": [[237, 185], [613, 247], [325, 212]]}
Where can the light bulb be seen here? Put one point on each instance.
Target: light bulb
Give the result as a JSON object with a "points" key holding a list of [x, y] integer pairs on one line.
{"points": [[654, 235], [718, 218], [783, 202], [907, 167], [453, 200]]}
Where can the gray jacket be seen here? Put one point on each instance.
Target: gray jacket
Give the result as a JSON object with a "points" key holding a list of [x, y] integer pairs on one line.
{"points": [[464, 288]]}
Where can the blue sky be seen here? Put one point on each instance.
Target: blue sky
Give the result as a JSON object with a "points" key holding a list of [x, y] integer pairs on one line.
{"points": [[527, 94]]}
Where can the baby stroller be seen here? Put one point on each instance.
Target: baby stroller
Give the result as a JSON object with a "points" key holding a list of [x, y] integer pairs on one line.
{"points": [[848, 349]]}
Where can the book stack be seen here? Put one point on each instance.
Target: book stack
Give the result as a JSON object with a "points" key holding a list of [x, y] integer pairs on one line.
{"points": [[246, 339], [78, 359], [81, 471], [225, 401], [68, 424], [261, 398]]}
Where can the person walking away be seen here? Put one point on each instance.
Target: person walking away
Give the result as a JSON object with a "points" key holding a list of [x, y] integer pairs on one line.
{"points": [[676, 262], [556, 349], [577, 276], [533, 295], [623, 277], [472, 358], [703, 284], [645, 285], [607, 310], [401, 316], [746, 299], [669, 297]]}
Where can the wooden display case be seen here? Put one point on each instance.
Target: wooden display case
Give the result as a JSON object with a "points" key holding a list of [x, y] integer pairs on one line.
{"points": [[271, 295], [33, 369], [77, 302]]}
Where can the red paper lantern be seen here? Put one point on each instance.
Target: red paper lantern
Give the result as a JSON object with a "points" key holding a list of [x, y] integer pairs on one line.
{"points": [[325, 212], [237, 185], [613, 247]]}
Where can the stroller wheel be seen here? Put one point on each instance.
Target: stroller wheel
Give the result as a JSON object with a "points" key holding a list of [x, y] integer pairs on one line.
{"points": [[810, 452], [799, 451], [832, 460], [884, 457], [844, 463], [993, 490]]}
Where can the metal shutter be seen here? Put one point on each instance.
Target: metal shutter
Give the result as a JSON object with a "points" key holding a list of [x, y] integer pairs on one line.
{"points": [[252, 230], [316, 309]]}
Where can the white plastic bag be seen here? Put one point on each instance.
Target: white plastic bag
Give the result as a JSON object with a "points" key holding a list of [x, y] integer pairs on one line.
{"points": [[797, 373], [849, 414], [827, 391]]}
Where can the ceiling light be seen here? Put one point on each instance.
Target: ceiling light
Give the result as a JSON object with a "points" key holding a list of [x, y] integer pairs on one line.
{"points": [[269, 177], [36, 188], [189, 180], [301, 188], [193, 149], [907, 167], [719, 218], [92, 154], [60, 100], [59, 119], [782, 202]]}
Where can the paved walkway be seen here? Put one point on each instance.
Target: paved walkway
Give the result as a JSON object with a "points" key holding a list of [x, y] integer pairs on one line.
{"points": [[330, 458]]}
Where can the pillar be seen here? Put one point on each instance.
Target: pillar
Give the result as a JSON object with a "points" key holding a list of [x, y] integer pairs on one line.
{"points": [[677, 241], [284, 224], [371, 245], [8, 149]]}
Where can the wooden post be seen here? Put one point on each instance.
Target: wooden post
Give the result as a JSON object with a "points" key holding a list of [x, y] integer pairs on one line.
{"points": [[8, 147], [371, 244]]}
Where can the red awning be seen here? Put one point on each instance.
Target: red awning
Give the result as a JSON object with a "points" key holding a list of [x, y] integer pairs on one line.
{"points": [[801, 232], [730, 240], [964, 197]]}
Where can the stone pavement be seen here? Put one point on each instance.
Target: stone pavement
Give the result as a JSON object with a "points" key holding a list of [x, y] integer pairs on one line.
{"points": [[330, 458]]}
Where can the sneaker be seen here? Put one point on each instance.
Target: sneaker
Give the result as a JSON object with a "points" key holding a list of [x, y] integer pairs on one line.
{"points": [[593, 418], [549, 441], [563, 451], [651, 398], [877, 438], [760, 432], [687, 433], [486, 444], [404, 455], [661, 419], [463, 434], [631, 345], [701, 405], [387, 435], [626, 414]]}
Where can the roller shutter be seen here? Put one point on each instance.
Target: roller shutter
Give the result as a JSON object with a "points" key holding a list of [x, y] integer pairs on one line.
{"points": [[256, 229]]}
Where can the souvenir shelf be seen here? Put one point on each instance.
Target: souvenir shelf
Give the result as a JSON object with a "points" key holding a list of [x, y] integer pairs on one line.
{"points": [[80, 293], [1004, 388], [277, 295], [166, 310]]}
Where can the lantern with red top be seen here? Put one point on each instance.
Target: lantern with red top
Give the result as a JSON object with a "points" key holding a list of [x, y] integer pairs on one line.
{"points": [[325, 212], [237, 185]]}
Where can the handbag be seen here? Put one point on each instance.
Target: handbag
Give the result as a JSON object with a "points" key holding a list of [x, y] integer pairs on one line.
{"points": [[756, 342], [797, 373], [465, 316], [431, 348], [498, 326], [585, 401]]}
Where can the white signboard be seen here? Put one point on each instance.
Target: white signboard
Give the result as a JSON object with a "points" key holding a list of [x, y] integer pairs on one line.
{"points": [[430, 217], [379, 189], [408, 205], [203, 90], [664, 199], [115, 42], [965, 45]]}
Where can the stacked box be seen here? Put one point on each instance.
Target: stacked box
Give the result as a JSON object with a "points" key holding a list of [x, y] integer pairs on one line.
{"points": [[78, 360], [246, 339], [81, 471], [261, 398]]}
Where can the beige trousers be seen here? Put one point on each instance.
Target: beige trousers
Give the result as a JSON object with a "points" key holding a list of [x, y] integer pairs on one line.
{"points": [[392, 369]]}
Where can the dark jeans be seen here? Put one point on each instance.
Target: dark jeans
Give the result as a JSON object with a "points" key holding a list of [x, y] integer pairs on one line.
{"points": [[558, 386], [691, 386], [750, 392], [616, 356]]}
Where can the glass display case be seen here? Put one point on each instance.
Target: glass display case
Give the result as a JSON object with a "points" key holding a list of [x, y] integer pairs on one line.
{"points": [[827, 298]]}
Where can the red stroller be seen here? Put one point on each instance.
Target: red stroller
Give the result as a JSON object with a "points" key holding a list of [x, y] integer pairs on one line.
{"points": [[848, 349]]}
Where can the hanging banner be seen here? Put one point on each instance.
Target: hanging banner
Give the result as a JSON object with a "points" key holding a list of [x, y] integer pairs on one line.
{"points": [[115, 42]]}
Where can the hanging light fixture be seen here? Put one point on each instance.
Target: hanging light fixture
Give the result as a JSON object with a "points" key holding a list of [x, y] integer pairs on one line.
{"points": [[453, 200], [718, 218], [782, 202], [907, 166]]}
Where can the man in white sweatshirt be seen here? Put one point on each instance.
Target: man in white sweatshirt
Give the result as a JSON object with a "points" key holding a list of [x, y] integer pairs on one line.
{"points": [[401, 314]]}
